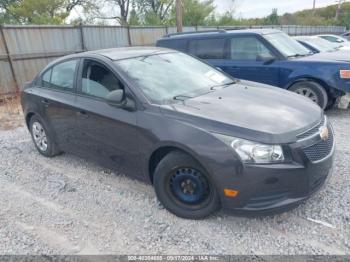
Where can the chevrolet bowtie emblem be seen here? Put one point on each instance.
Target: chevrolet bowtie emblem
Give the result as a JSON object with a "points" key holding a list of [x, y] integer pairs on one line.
{"points": [[324, 133]]}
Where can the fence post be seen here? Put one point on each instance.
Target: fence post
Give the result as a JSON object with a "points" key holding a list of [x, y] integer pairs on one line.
{"points": [[83, 47], [129, 36], [9, 59]]}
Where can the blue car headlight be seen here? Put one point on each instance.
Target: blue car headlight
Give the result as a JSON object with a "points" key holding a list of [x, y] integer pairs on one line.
{"points": [[253, 152]]}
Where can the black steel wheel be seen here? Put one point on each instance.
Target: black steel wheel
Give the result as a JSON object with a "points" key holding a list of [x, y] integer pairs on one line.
{"points": [[184, 188]]}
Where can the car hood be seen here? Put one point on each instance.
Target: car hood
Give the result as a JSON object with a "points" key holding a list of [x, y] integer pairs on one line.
{"points": [[249, 110], [340, 55]]}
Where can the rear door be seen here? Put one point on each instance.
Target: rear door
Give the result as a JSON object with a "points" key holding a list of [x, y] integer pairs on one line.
{"points": [[107, 133], [246, 59], [212, 50], [57, 101]]}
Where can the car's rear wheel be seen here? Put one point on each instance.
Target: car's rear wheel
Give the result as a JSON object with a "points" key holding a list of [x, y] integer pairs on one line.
{"points": [[184, 188], [42, 138], [311, 90]]}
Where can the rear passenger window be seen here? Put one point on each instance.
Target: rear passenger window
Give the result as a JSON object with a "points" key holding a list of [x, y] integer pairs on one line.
{"points": [[180, 45], [62, 76], [46, 78], [247, 48], [207, 48]]}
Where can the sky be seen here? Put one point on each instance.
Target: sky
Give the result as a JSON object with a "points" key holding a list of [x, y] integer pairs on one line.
{"points": [[244, 8], [261, 8]]}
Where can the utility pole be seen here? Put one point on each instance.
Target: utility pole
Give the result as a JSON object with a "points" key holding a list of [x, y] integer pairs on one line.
{"points": [[179, 16], [314, 7], [338, 10]]}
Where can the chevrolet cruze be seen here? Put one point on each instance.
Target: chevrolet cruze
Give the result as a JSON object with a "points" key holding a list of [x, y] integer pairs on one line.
{"points": [[203, 139]]}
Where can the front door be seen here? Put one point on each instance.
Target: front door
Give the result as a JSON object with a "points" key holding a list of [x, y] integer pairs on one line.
{"points": [[107, 133], [247, 60]]}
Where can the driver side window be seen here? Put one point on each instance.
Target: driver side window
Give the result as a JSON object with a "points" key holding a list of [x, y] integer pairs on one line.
{"points": [[97, 80], [247, 48]]}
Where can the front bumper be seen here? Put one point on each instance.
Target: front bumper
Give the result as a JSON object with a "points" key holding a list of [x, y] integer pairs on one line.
{"points": [[268, 189]]}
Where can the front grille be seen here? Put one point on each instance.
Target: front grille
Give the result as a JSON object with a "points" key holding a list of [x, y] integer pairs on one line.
{"points": [[321, 149], [313, 130]]}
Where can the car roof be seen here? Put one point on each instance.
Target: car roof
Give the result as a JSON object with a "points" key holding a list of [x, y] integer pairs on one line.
{"points": [[328, 35], [257, 31], [124, 52], [305, 37]]}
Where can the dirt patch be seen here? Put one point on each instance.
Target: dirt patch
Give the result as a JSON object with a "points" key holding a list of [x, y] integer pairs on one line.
{"points": [[11, 115]]}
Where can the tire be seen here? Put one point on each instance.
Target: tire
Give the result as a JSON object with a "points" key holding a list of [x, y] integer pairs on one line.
{"points": [[331, 103], [196, 199], [312, 90], [42, 139]]}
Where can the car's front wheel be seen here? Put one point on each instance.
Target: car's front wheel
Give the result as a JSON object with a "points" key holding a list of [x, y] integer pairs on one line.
{"points": [[42, 138], [184, 188], [311, 90]]}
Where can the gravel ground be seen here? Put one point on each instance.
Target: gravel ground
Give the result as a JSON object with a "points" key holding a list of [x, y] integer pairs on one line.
{"points": [[66, 205]]}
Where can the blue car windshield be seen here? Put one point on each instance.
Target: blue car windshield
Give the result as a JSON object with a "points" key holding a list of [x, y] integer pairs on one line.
{"points": [[167, 77], [287, 45]]}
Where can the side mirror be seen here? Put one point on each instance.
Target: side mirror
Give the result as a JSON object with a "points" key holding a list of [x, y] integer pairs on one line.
{"points": [[266, 59], [118, 98]]}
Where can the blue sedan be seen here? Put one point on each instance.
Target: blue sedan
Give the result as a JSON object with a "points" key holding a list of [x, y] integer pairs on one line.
{"points": [[270, 57]]}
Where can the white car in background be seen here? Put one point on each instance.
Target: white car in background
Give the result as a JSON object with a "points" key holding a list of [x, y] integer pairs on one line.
{"points": [[337, 39], [317, 44]]}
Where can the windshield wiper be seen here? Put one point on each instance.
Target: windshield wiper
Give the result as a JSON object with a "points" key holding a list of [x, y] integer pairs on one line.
{"points": [[182, 97], [298, 55], [227, 84]]}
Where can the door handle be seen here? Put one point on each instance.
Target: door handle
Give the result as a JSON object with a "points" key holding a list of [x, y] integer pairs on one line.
{"points": [[82, 114], [45, 102]]}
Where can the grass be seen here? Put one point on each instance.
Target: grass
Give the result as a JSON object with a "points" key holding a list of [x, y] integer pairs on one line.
{"points": [[10, 113]]}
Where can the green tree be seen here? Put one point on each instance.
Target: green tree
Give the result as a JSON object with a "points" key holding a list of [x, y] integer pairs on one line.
{"points": [[134, 18], [41, 11], [227, 19], [273, 18], [195, 12], [6, 16], [154, 12]]}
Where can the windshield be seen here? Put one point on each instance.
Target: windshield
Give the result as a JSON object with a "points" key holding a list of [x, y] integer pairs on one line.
{"points": [[320, 44], [287, 45], [343, 39], [168, 77], [334, 38]]}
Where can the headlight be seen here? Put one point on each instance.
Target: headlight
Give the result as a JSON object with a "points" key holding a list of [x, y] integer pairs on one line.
{"points": [[344, 74], [253, 152]]}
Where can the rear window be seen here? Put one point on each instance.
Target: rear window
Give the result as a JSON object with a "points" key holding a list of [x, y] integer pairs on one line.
{"points": [[180, 45], [207, 48]]}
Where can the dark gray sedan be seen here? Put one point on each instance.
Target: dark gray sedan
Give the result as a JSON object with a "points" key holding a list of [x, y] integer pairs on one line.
{"points": [[203, 139]]}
